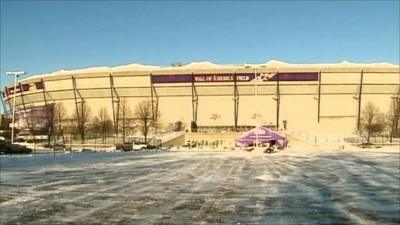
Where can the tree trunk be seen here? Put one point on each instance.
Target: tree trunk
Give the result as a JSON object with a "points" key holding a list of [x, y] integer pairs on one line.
{"points": [[391, 133], [62, 136], [123, 131], [48, 139], [82, 137]]}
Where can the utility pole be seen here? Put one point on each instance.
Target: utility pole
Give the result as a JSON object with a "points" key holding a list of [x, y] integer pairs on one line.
{"points": [[256, 99], [16, 74]]}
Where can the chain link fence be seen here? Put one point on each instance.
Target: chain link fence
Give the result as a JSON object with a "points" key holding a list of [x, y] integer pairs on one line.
{"points": [[315, 139]]}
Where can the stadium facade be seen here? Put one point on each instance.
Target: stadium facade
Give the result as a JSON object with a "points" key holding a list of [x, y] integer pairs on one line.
{"points": [[325, 98]]}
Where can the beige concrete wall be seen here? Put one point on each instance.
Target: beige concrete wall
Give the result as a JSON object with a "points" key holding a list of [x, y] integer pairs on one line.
{"points": [[382, 78], [299, 105], [222, 106], [176, 108], [132, 81], [299, 111]]}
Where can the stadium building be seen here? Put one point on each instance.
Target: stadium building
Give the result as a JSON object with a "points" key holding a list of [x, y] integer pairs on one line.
{"points": [[324, 98]]}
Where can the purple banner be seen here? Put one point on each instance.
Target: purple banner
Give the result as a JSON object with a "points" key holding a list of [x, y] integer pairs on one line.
{"points": [[159, 79], [223, 77], [245, 77], [295, 77], [188, 78]]}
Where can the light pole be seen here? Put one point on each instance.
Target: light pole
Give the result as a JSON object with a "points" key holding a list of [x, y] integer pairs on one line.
{"points": [[256, 98], [15, 74]]}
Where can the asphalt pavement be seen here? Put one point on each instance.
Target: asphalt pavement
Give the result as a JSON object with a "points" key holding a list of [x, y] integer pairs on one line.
{"points": [[286, 187]]}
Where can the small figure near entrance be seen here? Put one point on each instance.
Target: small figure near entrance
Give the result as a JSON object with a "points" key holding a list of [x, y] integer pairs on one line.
{"points": [[284, 124], [271, 147]]}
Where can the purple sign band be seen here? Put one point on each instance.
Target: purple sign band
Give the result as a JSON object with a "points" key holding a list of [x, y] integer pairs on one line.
{"points": [[295, 77], [245, 77]]}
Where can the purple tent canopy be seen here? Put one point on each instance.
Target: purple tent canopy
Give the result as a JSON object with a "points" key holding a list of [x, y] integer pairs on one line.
{"points": [[265, 135]]}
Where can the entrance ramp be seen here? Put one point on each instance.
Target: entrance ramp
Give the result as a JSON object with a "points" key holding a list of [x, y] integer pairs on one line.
{"points": [[171, 138]]}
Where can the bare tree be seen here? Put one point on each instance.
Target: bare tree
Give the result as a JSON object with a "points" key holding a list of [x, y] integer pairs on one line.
{"points": [[82, 118], [103, 124], [372, 121], [124, 118], [144, 115], [59, 116], [5, 126], [178, 126], [393, 118], [155, 123], [50, 122], [38, 121]]}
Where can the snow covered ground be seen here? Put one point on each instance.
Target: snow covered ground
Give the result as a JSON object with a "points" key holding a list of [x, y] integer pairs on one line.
{"points": [[287, 187]]}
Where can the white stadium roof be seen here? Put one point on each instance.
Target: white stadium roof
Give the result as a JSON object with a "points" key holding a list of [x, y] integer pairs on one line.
{"points": [[206, 65], [59, 85]]}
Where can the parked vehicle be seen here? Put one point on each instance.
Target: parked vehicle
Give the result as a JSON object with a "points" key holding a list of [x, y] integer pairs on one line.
{"points": [[166, 148], [3, 147], [19, 140], [150, 147], [87, 150], [15, 148], [139, 146], [127, 146], [6, 148], [135, 146]]}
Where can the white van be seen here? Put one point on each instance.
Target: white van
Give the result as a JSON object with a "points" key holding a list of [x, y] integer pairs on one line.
{"points": [[138, 146]]}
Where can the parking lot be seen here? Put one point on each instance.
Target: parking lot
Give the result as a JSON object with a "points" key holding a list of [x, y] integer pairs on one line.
{"points": [[287, 187]]}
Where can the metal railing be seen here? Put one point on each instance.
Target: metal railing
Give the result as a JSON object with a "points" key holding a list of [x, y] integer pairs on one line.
{"points": [[315, 139]]}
